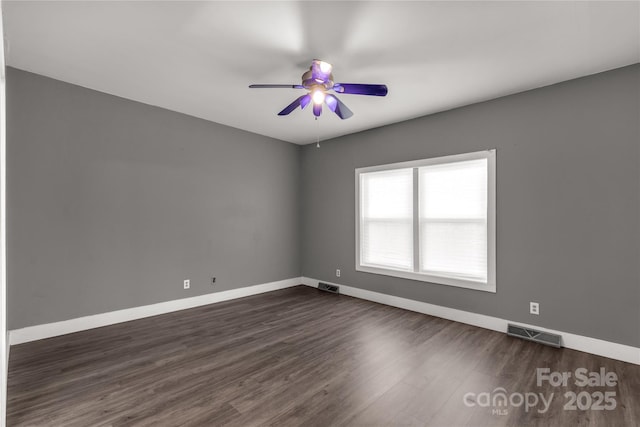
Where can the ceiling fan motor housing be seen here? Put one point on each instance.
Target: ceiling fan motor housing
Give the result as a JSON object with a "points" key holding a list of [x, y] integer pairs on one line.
{"points": [[310, 82]]}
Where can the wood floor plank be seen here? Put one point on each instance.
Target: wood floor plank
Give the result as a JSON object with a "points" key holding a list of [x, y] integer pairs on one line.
{"points": [[293, 357]]}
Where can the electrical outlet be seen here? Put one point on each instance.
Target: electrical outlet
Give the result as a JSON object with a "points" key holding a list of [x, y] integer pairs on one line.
{"points": [[534, 308], [338, 272], [187, 284], [213, 281]]}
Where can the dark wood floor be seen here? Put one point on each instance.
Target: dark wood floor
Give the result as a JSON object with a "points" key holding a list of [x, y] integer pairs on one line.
{"points": [[298, 357]]}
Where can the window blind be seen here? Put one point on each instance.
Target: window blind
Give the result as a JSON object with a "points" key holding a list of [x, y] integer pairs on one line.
{"points": [[453, 219], [386, 219]]}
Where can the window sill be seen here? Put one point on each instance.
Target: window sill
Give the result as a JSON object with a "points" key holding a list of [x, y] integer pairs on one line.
{"points": [[438, 280]]}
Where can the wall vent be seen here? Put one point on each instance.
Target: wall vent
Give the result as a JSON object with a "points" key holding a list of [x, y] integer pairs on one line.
{"points": [[537, 336], [329, 288]]}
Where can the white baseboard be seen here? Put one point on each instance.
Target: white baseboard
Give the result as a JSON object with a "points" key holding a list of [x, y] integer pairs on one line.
{"points": [[577, 342], [612, 350], [38, 332]]}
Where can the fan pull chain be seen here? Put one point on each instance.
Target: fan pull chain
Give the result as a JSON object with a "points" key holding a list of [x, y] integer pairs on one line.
{"points": [[317, 133]]}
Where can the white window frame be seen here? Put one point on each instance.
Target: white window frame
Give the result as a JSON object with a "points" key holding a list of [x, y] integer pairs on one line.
{"points": [[490, 284]]}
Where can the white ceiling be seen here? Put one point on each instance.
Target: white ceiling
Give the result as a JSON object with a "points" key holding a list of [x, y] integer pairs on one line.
{"points": [[199, 57]]}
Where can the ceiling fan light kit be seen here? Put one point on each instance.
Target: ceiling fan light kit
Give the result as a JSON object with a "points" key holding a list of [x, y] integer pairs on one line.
{"points": [[318, 80]]}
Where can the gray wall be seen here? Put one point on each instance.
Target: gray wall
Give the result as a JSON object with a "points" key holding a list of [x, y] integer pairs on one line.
{"points": [[113, 203], [568, 203]]}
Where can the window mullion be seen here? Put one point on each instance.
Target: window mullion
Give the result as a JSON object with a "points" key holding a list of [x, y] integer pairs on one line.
{"points": [[416, 221]]}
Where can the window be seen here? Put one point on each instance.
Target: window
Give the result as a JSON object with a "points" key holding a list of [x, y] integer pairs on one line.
{"points": [[431, 220]]}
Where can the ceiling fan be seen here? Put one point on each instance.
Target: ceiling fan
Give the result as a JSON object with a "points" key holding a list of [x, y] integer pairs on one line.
{"points": [[318, 81]]}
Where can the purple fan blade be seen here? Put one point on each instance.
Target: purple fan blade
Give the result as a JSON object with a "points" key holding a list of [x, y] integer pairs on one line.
{"points": [[338, 107], [331, 101], [276, 86], [361, 89], [305, 101], [289, 108], [317, 110]]}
